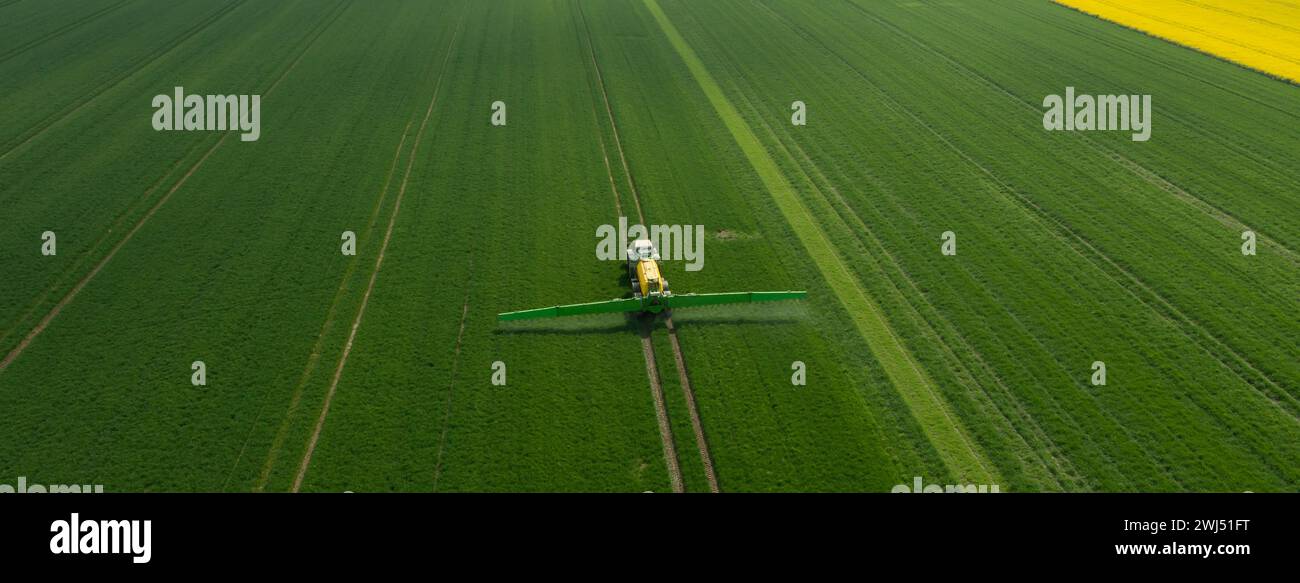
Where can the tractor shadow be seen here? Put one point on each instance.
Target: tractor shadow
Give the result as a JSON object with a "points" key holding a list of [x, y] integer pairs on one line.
{"points": [[574, 326], [774, 313]]}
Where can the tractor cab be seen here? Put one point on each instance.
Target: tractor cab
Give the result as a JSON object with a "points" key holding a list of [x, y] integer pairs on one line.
{"points": [[642, 249]]}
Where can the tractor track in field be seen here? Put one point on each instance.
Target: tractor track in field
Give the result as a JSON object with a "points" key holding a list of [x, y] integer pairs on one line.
{"points": [[379, 261], [609, 113], [697, 425], [76, 265], [81, 284], [76, 289], [11, 53], [319, 347], [644, 328], [43, 126], [647, 345], [455, 366]]}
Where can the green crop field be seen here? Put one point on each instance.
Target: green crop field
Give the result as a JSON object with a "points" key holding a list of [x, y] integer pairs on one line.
{"points": [[180, 310]]}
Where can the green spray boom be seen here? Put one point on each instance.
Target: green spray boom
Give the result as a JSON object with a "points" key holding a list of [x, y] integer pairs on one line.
{"points": [[652, 304]]}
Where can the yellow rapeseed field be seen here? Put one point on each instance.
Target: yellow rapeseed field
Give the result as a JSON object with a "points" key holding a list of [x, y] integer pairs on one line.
{"points": [[1260, 34]]}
